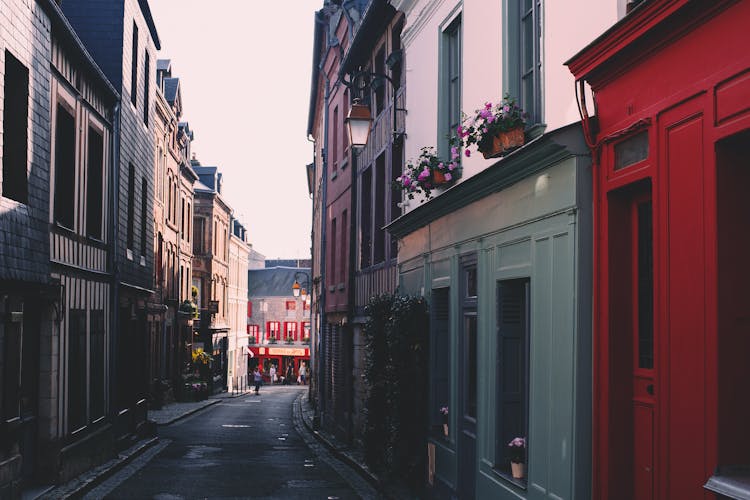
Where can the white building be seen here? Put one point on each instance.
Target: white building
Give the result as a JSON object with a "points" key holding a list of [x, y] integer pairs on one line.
{"points": [[239, 252]]}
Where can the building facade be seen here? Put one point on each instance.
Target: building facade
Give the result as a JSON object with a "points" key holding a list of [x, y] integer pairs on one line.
{"points": [[173, 248], [670, 140], [278, 324], [504, 254], [239, 254], [211, 267], [333, 216], [122, 38], [376, 56], [55, 257]]}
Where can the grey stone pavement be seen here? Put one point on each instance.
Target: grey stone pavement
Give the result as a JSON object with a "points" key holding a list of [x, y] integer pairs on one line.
{"points": [[107, 480]]}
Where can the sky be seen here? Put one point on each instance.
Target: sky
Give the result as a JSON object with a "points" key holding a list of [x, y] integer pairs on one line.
{"points": [[244, 68]]}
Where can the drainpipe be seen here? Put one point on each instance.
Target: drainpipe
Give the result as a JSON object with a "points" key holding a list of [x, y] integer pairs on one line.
{"points": [[113, 234]]}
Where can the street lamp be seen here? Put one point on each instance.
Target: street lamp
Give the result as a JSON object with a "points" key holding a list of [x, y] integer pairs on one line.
{"points": [[297, 289], [359, 120]]}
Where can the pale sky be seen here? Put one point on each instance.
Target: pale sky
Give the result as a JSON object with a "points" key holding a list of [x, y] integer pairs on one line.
{"points": [[244, 69]]}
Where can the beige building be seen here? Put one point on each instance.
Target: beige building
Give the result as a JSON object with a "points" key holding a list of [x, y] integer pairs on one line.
{"points": [[173, 253], [239, 253], [211, 220]]}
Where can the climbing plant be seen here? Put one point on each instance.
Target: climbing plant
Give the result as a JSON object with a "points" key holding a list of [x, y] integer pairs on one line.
{"points": [[396, 372]]}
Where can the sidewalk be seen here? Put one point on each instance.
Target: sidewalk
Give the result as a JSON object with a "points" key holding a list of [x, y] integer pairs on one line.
{"points": [[354, 457], [175, 411]]}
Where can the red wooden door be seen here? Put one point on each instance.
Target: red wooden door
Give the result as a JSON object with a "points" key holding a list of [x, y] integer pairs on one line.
{"points": [[643, 372]]}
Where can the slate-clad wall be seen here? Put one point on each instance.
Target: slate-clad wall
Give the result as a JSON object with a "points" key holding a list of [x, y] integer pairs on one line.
{"points": [[106, 28], [24, 237], [99, 23]]}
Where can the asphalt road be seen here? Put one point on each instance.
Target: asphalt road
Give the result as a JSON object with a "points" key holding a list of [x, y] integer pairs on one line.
{"points": [[245, 447]]}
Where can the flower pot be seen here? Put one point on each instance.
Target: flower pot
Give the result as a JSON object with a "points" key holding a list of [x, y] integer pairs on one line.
{"points": [[445, 430], [438, 177], [505, 141], [517, 469]]}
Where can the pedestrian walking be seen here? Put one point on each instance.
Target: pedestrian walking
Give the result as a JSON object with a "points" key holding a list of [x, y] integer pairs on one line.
{"points": [[257, 378], [272, 373], [303, 373], [289, 374]]}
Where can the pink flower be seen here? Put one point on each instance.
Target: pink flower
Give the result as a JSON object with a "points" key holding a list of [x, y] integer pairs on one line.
{"points": [[484, 130], [406, 181], [454, 153], [506, 109], [460, 131], [441, 166], [490, 118], [452, 166], [467, 153], [487, 105], [424, 174], [448, 176]]}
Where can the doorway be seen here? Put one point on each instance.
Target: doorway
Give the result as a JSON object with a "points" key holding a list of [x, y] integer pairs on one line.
{"points": [[467, 382], [633, 370]]}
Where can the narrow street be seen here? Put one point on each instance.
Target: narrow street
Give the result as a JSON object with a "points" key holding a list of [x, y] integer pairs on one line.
{"points": [[244, 447]]}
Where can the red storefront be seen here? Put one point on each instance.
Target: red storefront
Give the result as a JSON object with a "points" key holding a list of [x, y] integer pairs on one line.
{"points": [[671, 146], [280, 356]]}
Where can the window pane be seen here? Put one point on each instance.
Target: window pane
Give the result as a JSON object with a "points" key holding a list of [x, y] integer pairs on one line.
{"points": [[631, 150], [645, 288], [471, 282], [528, 42], [65, 156], [15, 129], [94, 184]]}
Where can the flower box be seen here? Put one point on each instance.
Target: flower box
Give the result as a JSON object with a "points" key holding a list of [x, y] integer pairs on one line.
{"points": [[505, 141]]}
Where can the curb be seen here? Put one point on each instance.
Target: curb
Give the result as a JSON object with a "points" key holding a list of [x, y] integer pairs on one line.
{"points": [[339, 453], [101, 473], [210, 402]]}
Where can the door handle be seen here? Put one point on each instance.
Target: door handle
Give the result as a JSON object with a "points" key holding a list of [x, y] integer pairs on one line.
{"points": [[650, 389]]}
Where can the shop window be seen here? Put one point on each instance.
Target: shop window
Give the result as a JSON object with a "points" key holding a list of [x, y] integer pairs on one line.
{"points": [[512, 371], [15, 130], [95, 184], [76, 369], [65, 167]]}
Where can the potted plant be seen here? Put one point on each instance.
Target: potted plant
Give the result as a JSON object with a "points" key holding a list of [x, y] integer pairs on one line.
{"points": [[444, 414], [517, 449], [428, 172], [272, 339], [289, 340], [495, 128], [251, 339]]}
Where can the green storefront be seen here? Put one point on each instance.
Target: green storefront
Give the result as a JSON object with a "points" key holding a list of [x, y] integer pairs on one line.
{"points": [[504, 259]]}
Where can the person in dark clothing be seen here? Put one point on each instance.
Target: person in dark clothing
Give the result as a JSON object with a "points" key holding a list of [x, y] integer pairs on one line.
{"points": [[257, 378], [289, 374]]}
